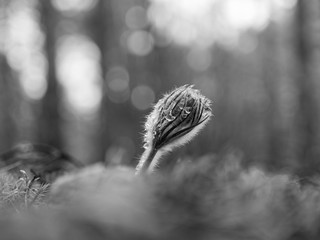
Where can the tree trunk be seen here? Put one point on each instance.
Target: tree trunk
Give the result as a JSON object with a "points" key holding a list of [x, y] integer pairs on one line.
{"points": [[7, 106], [307, 114], [101, 26], [49, 118]]}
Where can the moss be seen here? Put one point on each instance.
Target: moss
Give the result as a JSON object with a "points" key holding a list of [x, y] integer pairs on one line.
{"points": [[18, 193]]}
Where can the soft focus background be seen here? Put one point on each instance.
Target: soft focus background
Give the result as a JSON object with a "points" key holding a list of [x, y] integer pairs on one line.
{"points": [[81, 75]]}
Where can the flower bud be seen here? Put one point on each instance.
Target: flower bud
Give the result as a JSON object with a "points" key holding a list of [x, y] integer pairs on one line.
{"points": [[176, 118]]}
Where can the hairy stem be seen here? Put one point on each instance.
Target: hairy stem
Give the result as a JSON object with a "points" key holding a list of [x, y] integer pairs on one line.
{"points": [[146, 160]]}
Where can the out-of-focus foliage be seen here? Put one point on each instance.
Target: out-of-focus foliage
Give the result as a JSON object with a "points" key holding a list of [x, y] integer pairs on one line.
{"points": [[82, 75], [20, 194], [37, 161]]}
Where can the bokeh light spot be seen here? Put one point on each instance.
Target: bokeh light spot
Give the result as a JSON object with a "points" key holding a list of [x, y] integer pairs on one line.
{"points": [[79, 73], [246, 14], [23, 48], [33, 81], [142, 97], [74, 5], [203, 23], [118, 79], [118, 84], [140, 43], [185, 22]]}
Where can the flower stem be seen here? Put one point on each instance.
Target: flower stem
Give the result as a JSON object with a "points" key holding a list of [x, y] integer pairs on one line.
{"points": [[146, 160]]}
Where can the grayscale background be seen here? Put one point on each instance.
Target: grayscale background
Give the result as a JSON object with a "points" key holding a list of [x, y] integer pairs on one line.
{"points": [[81, 75]]}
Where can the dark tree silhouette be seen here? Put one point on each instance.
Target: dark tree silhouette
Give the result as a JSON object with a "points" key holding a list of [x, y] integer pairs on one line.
{"points": [[49, 130], [7, 105], [307, 116], [101, 29]]}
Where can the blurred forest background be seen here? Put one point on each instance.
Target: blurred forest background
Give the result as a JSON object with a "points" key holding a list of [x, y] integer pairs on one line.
{"points": [[81, 75]]}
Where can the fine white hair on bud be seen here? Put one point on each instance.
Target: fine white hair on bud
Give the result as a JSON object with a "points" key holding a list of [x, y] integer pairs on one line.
{"points": [[176, 115], [175, 120]]}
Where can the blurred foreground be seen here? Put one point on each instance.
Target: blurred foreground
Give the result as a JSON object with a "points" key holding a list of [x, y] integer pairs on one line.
{"points": [[210, 198]]}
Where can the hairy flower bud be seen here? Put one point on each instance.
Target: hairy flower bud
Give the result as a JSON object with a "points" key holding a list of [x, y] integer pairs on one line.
{"points": [[176, 119], [175, 116]]}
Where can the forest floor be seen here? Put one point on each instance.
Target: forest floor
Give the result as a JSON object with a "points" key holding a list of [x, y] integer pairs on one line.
{"points": [[206, 199]]}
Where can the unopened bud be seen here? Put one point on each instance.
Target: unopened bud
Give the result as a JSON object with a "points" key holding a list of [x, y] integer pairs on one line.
{"points": [[176, 118]]}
